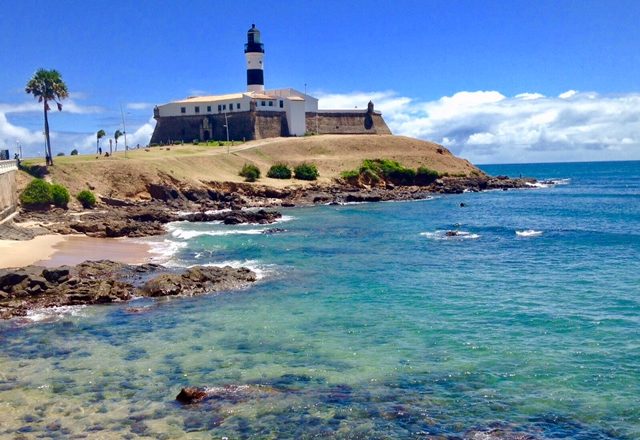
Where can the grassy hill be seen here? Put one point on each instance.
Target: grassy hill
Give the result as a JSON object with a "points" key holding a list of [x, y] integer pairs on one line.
{"points": [[194, 165]]}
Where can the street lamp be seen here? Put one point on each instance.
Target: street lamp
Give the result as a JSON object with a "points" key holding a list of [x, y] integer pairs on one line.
{"points": [[124, 132]]}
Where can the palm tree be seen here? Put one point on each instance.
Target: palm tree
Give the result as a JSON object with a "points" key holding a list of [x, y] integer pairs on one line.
{"points": [[47, 85], [116, 135], [99, 135]]}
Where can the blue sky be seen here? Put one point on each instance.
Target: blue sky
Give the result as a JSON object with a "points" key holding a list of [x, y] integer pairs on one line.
{"points": [[495, 81]]}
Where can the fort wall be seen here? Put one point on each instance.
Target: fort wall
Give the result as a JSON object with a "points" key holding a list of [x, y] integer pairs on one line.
{"points": [[8, 188], [347, 122]]}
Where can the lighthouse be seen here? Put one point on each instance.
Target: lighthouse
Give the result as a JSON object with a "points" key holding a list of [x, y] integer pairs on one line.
{"points": [[254, 52]]}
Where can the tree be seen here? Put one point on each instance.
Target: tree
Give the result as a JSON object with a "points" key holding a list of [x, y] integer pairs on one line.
{"points": [[47, 85], [116, 135], [99, 135]]}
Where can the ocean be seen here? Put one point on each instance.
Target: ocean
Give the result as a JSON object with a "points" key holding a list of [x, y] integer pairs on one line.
{"points": [[368, 321]]}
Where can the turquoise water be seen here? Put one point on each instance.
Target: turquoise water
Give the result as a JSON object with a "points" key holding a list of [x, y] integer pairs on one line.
{"points": [[368, 322]]}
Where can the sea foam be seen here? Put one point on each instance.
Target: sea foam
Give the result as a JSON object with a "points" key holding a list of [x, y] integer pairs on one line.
{"points": [[528, 233]]}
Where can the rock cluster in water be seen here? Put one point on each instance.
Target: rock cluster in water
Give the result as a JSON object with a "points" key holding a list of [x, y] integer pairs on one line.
{"points": [[100, 282]]}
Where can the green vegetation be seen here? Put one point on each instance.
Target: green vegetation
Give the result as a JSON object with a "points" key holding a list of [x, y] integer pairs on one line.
{"points": [[250, 172], [37, 195], [350, 175], [74, 152], [279, 171], [426, 176], [376, 170], [47, 85], [86, 198], [60, 195], [306, 171]]}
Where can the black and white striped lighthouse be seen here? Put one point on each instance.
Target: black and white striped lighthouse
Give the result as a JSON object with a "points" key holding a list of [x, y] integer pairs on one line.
{"points": [[254, 52]]}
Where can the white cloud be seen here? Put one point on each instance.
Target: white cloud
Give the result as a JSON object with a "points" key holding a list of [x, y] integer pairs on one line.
{"points": [[140, 105], [488, 127]]}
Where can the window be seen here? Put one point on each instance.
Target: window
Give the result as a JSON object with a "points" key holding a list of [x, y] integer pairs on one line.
{"points": [[219, 108], [224, 106], [238, 106], [208, 109], [281, 103], [197, 109], [183, 109], [270, 103], [262, 103]]}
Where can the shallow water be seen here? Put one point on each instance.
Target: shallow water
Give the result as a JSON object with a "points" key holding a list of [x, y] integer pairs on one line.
{"points": [[368, 322]]}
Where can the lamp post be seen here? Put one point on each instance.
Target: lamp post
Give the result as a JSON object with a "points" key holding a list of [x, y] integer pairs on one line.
{"points": [[124, 132]]}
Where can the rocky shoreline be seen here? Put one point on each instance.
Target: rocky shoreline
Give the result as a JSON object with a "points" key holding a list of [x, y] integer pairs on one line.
{"points": [[229, 203], [104, 282]]}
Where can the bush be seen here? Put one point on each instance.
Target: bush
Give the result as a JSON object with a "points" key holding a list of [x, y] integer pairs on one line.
{"points": [[74, 152], [306, 171], [350, 175], [426, 176], [86, 198], [60, 154], [37, 195], [60, 196], [250, 172], [402, 176], [279, 171]]}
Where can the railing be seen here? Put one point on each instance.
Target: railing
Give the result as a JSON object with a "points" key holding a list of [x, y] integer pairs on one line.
{"points": [[8, 165]]}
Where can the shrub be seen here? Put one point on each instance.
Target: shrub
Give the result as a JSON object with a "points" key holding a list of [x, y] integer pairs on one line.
{"points": [[402, 176], [60, 196], [250, 172], [426, 176], [86, 198], [60, 154], [74, 152], [350, 175], [37, 195], [279, 171], [306, 171]]}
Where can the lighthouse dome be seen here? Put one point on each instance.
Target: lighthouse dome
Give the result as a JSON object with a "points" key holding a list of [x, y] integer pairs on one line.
{"points": [[254, 43]]}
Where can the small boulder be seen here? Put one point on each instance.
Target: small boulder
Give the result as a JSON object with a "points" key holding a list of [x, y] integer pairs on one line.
{"points": [[191, 395]]}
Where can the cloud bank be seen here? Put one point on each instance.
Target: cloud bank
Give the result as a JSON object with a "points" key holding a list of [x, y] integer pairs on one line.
{"points": [[482, 126], [489, 127]]}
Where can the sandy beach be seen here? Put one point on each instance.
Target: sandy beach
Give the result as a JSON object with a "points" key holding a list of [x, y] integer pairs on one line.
{"points": [[56, 250]]}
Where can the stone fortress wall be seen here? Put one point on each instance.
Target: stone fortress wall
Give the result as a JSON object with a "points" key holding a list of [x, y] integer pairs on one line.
{"points": [[255, 124]]}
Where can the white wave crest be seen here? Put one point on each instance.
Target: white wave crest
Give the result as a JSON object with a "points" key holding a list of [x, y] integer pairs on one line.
{"points": [[528, 233], [163, 251], [450, 235], [187, 235], [261, 270], [53, 313]]}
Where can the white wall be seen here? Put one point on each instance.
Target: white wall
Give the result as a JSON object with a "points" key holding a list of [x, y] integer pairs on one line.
{"points": [[173, 108], [296, 117]]}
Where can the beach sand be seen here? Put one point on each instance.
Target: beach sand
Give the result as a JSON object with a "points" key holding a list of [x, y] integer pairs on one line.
{"points": [[58, 250]]}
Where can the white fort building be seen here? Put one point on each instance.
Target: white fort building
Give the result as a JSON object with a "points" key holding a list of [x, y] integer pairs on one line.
{"points": [[257, 113]]}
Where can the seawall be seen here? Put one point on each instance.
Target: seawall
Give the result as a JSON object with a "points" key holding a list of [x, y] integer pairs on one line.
{"points": [[8, 188]]}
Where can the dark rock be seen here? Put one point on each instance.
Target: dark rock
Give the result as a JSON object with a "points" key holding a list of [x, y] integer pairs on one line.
{"points": [[56, 276], [102, 282], [162, 192], [111, 201], [191, 395], [273, 231]]}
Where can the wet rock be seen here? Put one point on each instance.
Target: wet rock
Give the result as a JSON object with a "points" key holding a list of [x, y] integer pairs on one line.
{"points": [[196, 280], [103, 282], [191, 395], [273, 231]]}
